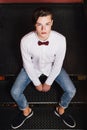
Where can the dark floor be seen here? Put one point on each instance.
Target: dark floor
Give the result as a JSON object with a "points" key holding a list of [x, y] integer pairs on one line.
{"points": [[44, 117], [34, 96], [43, 105]]}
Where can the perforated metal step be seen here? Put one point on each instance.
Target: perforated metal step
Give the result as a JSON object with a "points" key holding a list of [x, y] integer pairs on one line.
{"points": [[35, 97], [44, 118]]}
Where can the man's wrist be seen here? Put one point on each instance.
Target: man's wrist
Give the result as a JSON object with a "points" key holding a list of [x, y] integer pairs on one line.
{"points": [[48, 83], [37, 83]]}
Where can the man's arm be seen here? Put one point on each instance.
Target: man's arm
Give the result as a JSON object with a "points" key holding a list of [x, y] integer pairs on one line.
{"points": [[28, 65], [56, 68]]}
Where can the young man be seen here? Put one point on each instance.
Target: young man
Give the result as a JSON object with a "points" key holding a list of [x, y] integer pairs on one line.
{"points": [[43, 52]]}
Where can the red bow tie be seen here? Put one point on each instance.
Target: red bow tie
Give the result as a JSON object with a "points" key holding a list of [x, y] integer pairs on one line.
{"points": [[43, 43]]}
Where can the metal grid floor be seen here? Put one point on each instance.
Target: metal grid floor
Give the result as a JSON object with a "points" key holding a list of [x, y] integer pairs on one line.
{"points": [[44, 118]]}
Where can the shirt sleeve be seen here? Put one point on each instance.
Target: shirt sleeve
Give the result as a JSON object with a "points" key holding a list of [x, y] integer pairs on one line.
{"points": [[28, 64], [56, 68]]}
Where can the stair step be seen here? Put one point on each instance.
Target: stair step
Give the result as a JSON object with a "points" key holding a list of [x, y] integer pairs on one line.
{"points": [[44, 118], [35, 97]]}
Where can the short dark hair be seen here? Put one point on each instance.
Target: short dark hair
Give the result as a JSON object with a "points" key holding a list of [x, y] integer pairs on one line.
{"points": [[40, 12]]}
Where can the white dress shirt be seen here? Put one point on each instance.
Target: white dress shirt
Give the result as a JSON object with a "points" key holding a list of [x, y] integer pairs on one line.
{"points": [[44, 59]]}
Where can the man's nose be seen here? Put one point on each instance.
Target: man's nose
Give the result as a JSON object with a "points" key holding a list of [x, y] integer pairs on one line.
{"points": [[43, 27]]}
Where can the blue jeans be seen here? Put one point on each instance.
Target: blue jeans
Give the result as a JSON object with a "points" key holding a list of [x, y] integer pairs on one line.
{"points": [[23, 80]]}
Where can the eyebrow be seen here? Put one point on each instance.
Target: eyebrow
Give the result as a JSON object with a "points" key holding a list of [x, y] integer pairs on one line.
{"points": [[41, 23]]}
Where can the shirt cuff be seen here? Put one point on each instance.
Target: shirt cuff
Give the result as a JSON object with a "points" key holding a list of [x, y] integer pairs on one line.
{"points": [[49, 81], [36, 82]]}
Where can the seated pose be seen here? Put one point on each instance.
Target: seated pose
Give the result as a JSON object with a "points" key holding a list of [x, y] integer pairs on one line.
{"points": [[43, 52]]}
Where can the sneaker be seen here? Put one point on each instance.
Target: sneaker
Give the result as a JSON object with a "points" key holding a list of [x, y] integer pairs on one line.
{"points": [[20, 119], [67, 119]]}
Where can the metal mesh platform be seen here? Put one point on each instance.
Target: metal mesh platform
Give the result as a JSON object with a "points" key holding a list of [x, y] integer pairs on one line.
{"points": [[44, 118], [35, 97], [43, 105]]}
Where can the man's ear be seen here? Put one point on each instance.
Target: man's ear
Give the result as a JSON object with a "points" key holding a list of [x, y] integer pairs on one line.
{"points": [[52, 22]]}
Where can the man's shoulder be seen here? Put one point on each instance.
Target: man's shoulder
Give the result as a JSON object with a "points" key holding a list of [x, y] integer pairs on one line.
{"points": [[28, 36], [57, 34], [59, 39], [27, 39]]}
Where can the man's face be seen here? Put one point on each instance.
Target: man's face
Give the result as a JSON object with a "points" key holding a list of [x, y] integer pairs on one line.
{"points": [[43, 27]]}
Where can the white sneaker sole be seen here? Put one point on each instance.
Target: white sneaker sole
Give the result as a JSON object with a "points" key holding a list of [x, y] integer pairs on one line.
{"points": [[22, 122], [65, 121]]}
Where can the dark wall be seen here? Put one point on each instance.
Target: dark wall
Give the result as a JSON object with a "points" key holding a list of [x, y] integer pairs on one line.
{"points": [[42, 1], [15, 21], [85, 9]]}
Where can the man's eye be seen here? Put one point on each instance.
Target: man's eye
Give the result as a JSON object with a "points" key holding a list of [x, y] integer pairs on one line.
{"points": [[38, 24], [48, 23]]}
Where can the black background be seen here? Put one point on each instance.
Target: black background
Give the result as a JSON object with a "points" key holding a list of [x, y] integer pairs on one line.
{"points": [[16, 21]]}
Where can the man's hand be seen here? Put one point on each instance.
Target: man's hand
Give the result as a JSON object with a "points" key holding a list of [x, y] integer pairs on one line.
{"points": [[39, 88], [46, 87]]}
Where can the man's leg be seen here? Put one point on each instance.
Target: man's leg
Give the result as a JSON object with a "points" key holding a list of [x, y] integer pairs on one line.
{"points": [[69, 91], [18, 87], [17, 90], [68, 87]]}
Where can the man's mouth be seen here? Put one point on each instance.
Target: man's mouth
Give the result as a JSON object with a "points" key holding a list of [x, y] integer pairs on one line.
{"points": [[43, 33]]}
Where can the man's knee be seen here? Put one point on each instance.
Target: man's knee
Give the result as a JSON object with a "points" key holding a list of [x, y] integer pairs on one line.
{"points": [[72, 92], [14, 93]]}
